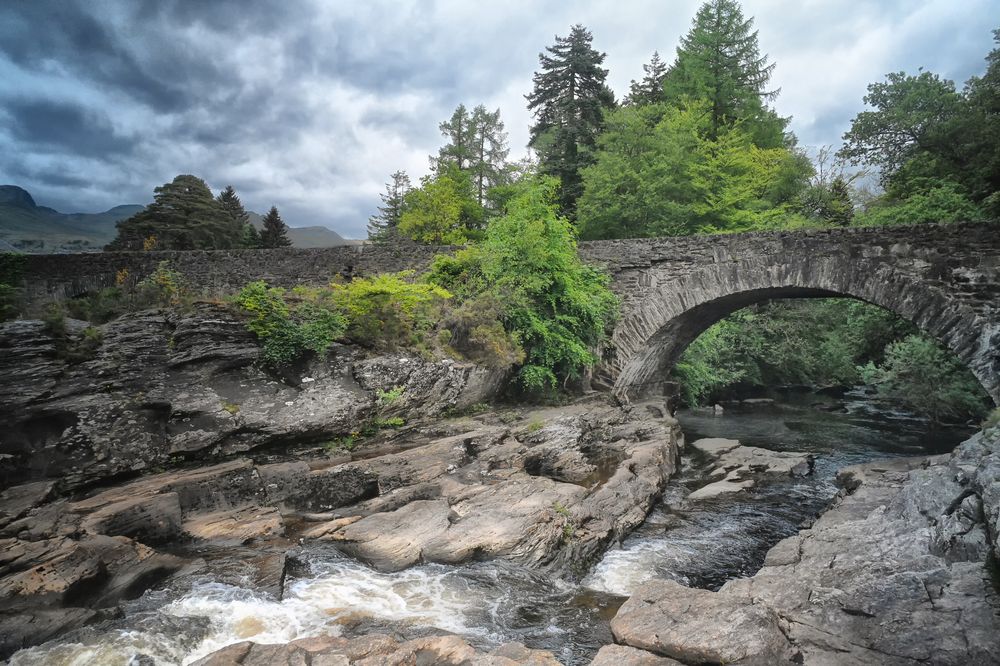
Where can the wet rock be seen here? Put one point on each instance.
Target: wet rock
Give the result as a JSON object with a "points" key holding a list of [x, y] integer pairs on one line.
{"points": [[737, 467], [235, 525], [699, 626], [479, 494], [622, 655], [375, 650], [895, 572]]}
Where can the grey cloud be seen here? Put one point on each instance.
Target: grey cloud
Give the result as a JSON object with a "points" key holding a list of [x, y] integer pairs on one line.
{"points": [[311, 105]]}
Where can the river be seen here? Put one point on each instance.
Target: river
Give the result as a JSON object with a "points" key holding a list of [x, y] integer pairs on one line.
{"points": [[701, 544]]}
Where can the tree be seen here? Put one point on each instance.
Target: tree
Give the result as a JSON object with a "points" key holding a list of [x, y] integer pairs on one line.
{"points": [[443, 210], [719, 60], [489, 151], [230, 202], [383, 225], [556, 306], [183, 216], [658, 173], [568, 101], [910, 115], [458, 130], [650, 89], [275, 231]]}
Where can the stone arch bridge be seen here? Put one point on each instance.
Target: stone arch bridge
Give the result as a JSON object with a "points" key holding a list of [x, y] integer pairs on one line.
{"points": [[943, 278]]}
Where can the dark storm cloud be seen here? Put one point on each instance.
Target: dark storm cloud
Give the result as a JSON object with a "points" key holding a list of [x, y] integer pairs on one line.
{"points": [[63, 127], [311, 105]]}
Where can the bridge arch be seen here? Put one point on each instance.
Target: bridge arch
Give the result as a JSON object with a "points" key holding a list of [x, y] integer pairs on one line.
{"points": [[654, 331]]}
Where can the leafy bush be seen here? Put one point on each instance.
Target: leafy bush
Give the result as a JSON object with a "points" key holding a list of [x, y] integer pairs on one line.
{"points": [[390, 310], [555, 307], [287, 331], [924, 377]]}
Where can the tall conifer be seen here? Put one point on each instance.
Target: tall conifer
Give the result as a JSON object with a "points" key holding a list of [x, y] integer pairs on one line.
{"points": [[275, 232], [568, 101]]}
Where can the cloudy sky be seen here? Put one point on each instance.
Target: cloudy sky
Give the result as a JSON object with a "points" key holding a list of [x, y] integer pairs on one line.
{"points": [[310, 106]]}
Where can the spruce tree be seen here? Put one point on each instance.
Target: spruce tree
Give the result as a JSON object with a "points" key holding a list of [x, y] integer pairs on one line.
{"points": [[568, 102], [489, 151], [242, 229], [383, 226], [275, 232], [719, 60], [650, 89]]}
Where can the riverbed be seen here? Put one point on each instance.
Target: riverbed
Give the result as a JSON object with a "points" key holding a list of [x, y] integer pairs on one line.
{"points": [[700, 544]]}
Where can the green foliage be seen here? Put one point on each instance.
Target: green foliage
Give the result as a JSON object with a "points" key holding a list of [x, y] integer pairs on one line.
{"points": [[536, 425], [712, 362], [443, 210], [183, 216], [390, 310], [940, 202], [390, 422], [660, 173], [650, 89], [230, 202], [383, 226], [926, 378], [387, 398], [557, 308], [165, 287], [11, 271], [814, 342], [231, 407], [345, 443], [568, 101], [719, 62], [274, 232], [289, 328]]}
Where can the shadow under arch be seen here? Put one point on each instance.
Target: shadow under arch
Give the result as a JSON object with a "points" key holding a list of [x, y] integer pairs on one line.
{"points": [[655, 331]]}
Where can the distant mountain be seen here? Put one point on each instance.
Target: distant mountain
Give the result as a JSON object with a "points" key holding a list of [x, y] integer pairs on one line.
{"points": [[32, 228], [307, 236]]}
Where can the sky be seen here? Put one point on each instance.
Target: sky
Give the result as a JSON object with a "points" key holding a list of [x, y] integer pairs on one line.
{"points": [[310, 105]]}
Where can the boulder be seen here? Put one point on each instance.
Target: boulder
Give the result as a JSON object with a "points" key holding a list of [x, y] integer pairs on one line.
{"points": [[699, 626], [622, 655]]}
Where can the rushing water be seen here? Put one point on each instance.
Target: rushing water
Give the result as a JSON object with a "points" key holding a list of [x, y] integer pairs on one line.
{"points": [[701, 544]]}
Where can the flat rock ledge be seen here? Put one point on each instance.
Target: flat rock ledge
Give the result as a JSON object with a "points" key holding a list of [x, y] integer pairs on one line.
{"points": [[894, 573], [375, 650], [738, 467], [548, 489]]}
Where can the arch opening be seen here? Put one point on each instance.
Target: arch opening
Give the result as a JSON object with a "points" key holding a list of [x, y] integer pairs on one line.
{"points": [[656, 330]]}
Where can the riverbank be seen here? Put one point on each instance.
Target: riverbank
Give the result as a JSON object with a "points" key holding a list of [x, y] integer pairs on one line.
{"points": [[523, 566]]}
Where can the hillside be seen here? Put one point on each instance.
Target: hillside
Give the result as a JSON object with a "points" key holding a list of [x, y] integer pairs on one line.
{"points": [[28, 227], [33, 228]]}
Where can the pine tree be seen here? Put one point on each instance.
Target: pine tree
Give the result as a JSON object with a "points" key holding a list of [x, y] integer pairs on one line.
{"points": [[242, 229], [719, 60], [383, 226], [650, 89], [489, 151], [275, 232], [184, 215], [568, 102], [458, 130]]}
